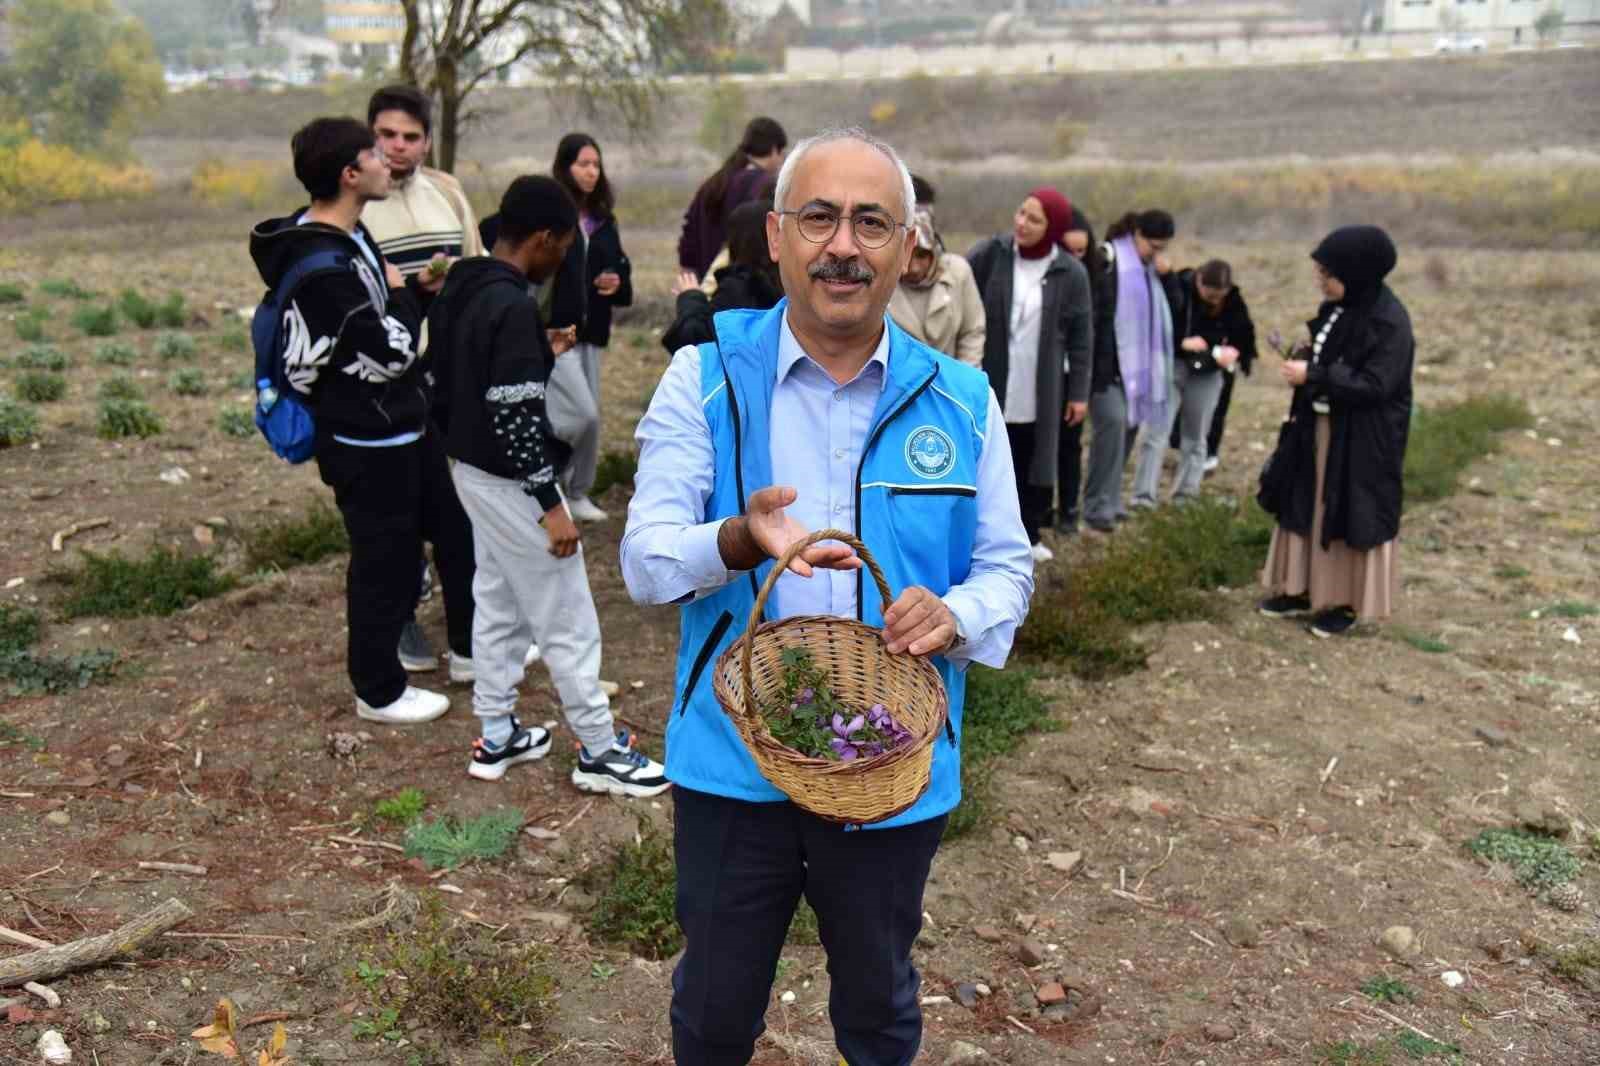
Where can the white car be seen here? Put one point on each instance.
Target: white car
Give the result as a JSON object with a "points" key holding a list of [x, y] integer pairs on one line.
{"points": [[1460, 43]]}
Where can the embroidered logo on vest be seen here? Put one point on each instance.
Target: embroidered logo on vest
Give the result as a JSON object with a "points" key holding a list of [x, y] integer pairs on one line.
{"points": [[929, 452]]}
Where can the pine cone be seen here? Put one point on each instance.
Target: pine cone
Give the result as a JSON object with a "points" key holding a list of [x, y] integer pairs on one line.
{"points": [[1566, 897]]}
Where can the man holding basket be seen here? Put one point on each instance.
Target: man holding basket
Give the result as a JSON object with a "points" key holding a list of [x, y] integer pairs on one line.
{"points": [[819, 413]]}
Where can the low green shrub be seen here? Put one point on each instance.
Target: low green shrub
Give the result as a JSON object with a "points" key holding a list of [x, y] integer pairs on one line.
{"points": [[127, 418], [236, 421], [402, 808], [96, 321], [120, 387], [309, 538], [41, 357], [24, 672], [614, 468], [40, 386], [445, 843], [170, 346], [637, 895], [999, 711], [115, 353], [188, 381], [11, 293], [233, 340], [1447, 439], [19, 422], [1538, 862], [66, 289], [148, 314], [163, 581], [30, 324]]}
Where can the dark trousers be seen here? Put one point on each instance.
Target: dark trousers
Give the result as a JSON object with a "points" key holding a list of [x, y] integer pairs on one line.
{"points": [[393, 499], [741, 870], [1069, 474], [1218, 417], [1035, 499]]}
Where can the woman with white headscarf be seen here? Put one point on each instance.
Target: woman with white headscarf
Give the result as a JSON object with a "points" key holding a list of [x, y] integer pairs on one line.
{"points": [[938, 301]]}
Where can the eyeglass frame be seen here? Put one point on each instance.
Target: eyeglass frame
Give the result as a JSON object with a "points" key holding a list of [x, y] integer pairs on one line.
{"points": [[839, 217]]}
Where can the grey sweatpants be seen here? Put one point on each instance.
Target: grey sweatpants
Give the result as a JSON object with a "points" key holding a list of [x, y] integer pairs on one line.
{"points": [[1198, 393], [572, 402], [522, 594], [1109, 443]]}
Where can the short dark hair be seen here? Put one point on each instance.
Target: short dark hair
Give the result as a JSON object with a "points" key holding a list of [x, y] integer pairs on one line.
{"points": [[407, 98], [535, 203], [322, 149], [923, 190], [1215, 274], [600, 203]]}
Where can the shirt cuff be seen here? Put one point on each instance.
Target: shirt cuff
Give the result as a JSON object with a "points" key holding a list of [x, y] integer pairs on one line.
{"points": [[967, 626], [702, 559]]}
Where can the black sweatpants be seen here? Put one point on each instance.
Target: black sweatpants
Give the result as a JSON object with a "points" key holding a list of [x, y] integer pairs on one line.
{"points": [[392, 499], [741, 870], [1069, 473], [1035, 499]]}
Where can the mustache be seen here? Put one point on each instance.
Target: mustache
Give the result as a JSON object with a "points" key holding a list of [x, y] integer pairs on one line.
{"points": [[831, 269]]}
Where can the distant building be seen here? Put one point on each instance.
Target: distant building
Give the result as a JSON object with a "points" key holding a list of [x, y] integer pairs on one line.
{"points": [[1476, 16], [364, 21]]}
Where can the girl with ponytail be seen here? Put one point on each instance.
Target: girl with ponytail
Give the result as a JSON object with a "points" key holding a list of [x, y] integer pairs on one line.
{"points": [[747, 174]]}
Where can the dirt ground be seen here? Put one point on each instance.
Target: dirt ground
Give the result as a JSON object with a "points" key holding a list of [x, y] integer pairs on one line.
{"points": [[1235, 878]]}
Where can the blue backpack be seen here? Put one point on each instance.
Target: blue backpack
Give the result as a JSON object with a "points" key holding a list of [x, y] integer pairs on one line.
{"points": [[280, 414]]}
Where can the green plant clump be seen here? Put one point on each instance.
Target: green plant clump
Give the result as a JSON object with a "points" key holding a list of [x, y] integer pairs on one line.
{"points": [[41, 357], [115, 353], [12, 293], [120, 387], [234, 340], [1538, 862], [188, 381], [127, 418], [24, 672], [236, 421], [1388, 990], [170, 346], [1445, 440], [446, 843], [148, 314], [96, 321], [402, 808], [19, 423], [66, 289], [30, 324], [615, 468], [1000, 709], [1420, 641], [161, 583], [301, 541], [637, 895], [40, 386], [1572, 609]]}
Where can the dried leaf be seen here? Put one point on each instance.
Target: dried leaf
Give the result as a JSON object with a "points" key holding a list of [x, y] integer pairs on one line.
{"points": [[218, 1037], [280, 1037]]}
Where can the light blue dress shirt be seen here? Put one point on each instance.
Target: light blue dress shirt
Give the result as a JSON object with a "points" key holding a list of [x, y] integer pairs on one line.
{"points": [[669, 552]]}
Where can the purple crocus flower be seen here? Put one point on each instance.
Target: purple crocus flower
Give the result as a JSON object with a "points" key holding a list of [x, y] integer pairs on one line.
{"points": [[807, 695], [843, 748]]}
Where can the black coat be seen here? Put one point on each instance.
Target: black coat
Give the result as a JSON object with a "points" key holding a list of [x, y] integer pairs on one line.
{"points": [[737, 287], [574, 299], [1366, 380], [1191, 318], [1107, 367]]}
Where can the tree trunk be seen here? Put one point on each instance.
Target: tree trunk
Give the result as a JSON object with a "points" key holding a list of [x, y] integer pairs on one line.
{"points": [[447, 81], [408, 43]]}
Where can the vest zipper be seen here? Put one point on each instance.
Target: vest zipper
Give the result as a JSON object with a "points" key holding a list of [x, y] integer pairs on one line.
{"points": [[932, 490], [738, 450], [724, 620]]}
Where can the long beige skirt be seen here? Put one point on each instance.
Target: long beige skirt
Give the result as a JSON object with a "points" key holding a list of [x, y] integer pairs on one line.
{"points": [[1339, 576]]}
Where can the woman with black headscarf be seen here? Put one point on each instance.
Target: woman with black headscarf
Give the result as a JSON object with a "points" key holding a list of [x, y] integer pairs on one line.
{"points": [[1334, 482]]}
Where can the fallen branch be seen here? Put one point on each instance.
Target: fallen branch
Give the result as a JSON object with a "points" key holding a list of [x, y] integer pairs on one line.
{"points": [[23, 938], [270, 1016], [243, 936], [174, 868], [353, 842], [59, 538], [1402, 1021], [93, 950]]}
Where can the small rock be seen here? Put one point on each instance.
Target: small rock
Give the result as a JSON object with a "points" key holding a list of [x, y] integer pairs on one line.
{"points": [[1050, 992], [1024, 922], [53, 1049], [196, 634], [934, 1001], [1543, 819], [1056, 1012], [967, 995], [788, 997], [1241, 931], [343, 745], [988, 934], [962, 1053], [1570, 635], [928, 937], [1067, 862], [539, 832], [1493, 736], [1399, 941], [1218, 1033], [16, 582], [1020, 842], [60, 819], [1452, 979], [174, 475], [983, 989], [19, 1014], [1030, 952]]}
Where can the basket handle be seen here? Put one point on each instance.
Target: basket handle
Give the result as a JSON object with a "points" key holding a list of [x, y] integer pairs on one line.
{"points": [[778, 568]]}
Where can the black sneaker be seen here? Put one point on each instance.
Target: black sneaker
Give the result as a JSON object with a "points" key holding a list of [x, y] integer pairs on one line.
{"points": [[1099, 526], [1067, 527], [490, 764], [1284, 606], [1333, 622], [622, 770], [416, 654]]}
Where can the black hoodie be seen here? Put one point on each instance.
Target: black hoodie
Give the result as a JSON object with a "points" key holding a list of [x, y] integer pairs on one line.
{"points": [[351, 341], [1191, 318], [491, 362]]}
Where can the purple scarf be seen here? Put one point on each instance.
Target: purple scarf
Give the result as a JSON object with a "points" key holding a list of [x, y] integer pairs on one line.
{"points": [[1144, 337]]}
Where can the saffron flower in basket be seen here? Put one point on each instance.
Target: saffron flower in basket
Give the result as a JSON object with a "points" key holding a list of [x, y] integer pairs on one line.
{"points": [[806, 718]]}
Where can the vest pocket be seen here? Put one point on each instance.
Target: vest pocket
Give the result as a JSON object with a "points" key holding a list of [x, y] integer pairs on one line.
{"points": [[933, 490], [703, 656]]}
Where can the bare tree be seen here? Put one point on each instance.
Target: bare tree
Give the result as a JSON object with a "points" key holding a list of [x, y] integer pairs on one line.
{"points": [[604, 49]]}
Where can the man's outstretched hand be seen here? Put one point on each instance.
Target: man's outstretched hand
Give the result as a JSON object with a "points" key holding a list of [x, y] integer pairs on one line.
{"points": [[918, 622], [766, 530]]}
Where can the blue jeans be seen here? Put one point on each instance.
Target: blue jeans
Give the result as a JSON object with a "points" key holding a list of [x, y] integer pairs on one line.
{"points": [[742, 868]]}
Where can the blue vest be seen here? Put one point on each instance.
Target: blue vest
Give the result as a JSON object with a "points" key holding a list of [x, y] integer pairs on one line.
{"points": [[916, 510]]}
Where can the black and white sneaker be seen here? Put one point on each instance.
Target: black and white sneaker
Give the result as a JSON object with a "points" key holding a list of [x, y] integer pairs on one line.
{"points": [[622, 771], [1333, 622], [416, 654], [1284, 606], [490, 763]]}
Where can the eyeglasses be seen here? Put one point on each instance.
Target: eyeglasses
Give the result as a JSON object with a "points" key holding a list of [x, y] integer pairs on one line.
{"points": [[872, 229]]}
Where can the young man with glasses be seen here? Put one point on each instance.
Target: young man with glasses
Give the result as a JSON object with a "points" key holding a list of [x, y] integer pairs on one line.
{"points": [[350, 353], [818, 413]]}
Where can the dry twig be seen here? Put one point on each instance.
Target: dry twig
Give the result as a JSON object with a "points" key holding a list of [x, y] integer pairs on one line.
{"points": [[51, 999], [174, 868], [59, 538], [92, 951], [23, 938], [353, 842], [1172, 842]]}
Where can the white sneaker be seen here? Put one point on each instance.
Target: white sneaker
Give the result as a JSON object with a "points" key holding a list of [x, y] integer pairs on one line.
{"points": [[582, 509], [415, 705], [462, 671], [1212, 462], [1041, 554]]}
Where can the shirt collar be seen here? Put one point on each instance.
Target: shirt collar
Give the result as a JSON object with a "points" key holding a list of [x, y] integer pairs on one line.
{"points": [[790, 353]]}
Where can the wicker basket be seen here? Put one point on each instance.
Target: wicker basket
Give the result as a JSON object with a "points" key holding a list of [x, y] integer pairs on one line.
{"points": [[861, 672]]}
